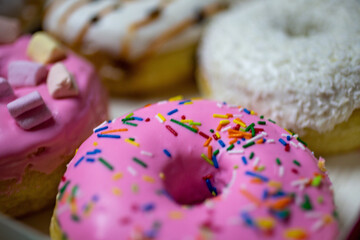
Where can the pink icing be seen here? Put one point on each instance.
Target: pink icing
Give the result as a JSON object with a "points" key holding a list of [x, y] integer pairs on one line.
{"points": [[152, 186], [72, 118]]}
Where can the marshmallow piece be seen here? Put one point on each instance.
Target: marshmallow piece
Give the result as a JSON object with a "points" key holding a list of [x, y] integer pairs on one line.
{"points": [[5, 89], [29, 110], [10, 29], [44, 49], [60, 82], [26, 73]]}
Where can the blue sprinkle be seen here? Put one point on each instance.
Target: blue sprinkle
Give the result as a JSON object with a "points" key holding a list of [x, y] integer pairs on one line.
{"points": [[108, 136], [172, 112], [288, 137], [265, 179], [244, 160], [185, 101], [238, 142], [247, 111], [148, 207], [78, 161], [210, 187], [150, 234], [167, 153], [90, 160], [94, 152], [95, 198], [222, 144], [247, 219], [138, 118], [264, 140], [265, 194], [243, 139], [278, 194], [216, 164], [282, 142], [109, 121], [100, 129]]}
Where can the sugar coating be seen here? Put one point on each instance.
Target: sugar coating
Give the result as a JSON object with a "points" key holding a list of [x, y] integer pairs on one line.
{"points": [[297, 62], [168, 171]]}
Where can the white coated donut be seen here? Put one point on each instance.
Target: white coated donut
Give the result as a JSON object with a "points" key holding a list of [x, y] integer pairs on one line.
{"points": [[298, 62]]}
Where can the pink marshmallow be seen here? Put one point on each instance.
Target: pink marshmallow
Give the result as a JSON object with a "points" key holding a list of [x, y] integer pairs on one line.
{"points": [[10, 29], [5, 89], [29, 110], [26, 73], [25, 103], [60, 82]]}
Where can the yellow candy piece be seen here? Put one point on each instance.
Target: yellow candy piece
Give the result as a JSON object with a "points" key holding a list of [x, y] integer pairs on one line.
{"points": [[44, 49], [265, 224], [295, 233]]}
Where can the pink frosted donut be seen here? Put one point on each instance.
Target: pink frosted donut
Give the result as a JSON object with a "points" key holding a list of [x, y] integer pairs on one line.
{"points": [[194, 169]]}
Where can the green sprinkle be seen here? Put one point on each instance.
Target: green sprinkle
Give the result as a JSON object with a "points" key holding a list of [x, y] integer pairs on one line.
{"points": [[131, 124], [132, 139], [127, 119], [262, 122], [335, 214], [207, 159], [212, 130], [248, 144], [251, 155], [75, 217], [129, 115], [297, 163], [74, 190], [271, 121], [261, 168], [252, 132], [106, 164], [299, 139], [320, 199], [278, 161], [196, 123], [230, 147], [216, 152], [184, 125], [262, 117], [306, 205], [316, 181], [249, 127], [62, 190], [135, 188], [140, 162], [236, 166]]}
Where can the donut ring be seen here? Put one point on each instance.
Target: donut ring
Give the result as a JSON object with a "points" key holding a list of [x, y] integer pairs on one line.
{"points": [[194, 169], [296, 62]]}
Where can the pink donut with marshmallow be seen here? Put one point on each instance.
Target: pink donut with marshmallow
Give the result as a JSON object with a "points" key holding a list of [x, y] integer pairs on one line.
{"points": [[194, 170]]}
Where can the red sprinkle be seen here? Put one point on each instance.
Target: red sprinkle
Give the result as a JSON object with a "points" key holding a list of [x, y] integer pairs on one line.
{"points": [[215, 137], [183, 117], [207, 176], [63, 178], [294, 171], [257, 130], [147, 120], [171, 130], [203, 135], [287, 147], [236, 127]]}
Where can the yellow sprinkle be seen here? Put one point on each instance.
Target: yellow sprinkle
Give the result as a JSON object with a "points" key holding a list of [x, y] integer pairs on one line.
{"points": [[327, 219], [73, 207], [252, 112], [224, 122], [236, 167], [76, 150], [176, 215], [207, 159], [188, 103], [240, 123], [275, 184], [220, 116], [176, 98], [321, 164], [95, 143], [288, 131], [117, 176], [147, 178], [116, 191], [295, 233], [265, 223], [162, 175], [161, 117], [186, 121], [132, 142]]}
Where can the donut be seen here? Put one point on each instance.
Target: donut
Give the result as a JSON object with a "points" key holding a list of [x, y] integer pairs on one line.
{"points": [[150, 48], [194, 169], [50, 100], [296, 62]]}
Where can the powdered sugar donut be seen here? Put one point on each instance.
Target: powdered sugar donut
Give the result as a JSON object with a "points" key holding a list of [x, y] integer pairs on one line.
{"points": [[47, 110], [194, 169], [295, 61], [137, 46]]}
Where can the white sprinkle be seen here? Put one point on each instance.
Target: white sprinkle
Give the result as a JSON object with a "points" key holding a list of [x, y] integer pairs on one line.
{"points": [[238, 115], [162, 102], [233, 106], [225, 128], [159, 119], [301, 146], [293, 144], [114, 120], [281, 171], [209, 203], [295, 136], [262, 134], [299, 182], [146, 153], [219, 105], [241, 109], [101, 124], [285, 135], [256, 161], [61, 209], [132, 171], [298, 200], [270, 141], [236, 151], [317, 225]]}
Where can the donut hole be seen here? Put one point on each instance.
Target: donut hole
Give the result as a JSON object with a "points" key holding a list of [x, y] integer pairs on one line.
{"points": [[185, 180]]}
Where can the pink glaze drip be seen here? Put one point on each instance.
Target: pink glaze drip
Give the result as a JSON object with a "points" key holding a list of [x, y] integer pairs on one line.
{"points": [[122, 188], [72, 121]]}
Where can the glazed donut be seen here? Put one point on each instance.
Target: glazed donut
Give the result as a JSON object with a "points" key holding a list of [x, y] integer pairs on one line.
{"points": [[296, 62], [47, 110], [194, 169], [151, 46]]}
